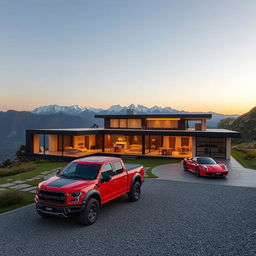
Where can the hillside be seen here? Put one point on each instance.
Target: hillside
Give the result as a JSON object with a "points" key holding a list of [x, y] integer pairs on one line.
{"points": [[246, 124], [13, 125]]}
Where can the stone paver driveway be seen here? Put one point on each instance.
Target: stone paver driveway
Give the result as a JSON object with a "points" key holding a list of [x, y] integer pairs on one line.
{"points": [[238, 175]]}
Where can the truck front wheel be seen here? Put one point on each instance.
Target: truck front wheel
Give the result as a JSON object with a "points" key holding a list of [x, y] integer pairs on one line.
{"points": [[91, 212], [134, 194]]}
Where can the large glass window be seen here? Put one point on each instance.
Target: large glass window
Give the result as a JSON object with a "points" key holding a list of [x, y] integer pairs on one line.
{"points": [[123, 123], [213, 147], [114, 123], [164, 124], [134, 123]]}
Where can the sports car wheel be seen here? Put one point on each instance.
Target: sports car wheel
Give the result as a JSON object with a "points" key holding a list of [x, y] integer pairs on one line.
{"points": [[197, 172], [185, 166]]}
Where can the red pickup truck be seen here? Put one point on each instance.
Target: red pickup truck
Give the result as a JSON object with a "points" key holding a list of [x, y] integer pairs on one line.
{"points": [[87, 183]]}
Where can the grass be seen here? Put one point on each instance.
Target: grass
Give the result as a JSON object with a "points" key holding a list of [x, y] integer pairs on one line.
{"points": [[18, 198], [151, 163], [24, 167], [241, 157], [39, 167], [23, 198], [34, 182]]}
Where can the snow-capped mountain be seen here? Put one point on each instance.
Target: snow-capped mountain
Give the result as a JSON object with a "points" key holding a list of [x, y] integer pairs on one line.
{"points": [[89, 112], [53, 109], [115, 109]]}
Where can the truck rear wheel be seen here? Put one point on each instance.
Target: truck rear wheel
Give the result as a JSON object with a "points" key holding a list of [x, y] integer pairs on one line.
{"points": [[134, 194], [91, 212]]}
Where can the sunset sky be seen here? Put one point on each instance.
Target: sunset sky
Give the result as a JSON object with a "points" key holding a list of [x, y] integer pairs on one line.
{"points": [[190, 55]]}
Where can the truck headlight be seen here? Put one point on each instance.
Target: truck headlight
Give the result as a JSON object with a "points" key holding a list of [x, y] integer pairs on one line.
{"points": [[76, 196]]}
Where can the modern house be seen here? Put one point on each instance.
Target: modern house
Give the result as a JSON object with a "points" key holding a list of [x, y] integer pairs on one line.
{"points": [[161, 135]]}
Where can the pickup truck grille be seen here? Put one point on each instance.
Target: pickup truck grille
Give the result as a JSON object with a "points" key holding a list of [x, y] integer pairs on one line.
{"points": [[49, 196]]}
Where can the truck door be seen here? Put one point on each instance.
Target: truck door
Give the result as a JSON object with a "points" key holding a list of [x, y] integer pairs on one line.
{"points": [[107, 189], [120, 178]]}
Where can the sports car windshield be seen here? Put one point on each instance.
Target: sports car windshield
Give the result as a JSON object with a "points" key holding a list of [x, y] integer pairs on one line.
{"points": [[204, 160], [82, 171]]}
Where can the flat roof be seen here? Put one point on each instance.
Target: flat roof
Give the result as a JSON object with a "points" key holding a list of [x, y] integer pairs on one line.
{"points": [[88, 131], [188, 115]]}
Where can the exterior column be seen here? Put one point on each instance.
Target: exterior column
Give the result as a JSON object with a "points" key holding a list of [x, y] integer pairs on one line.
{"points": [[62, 145], [103, 142], [228, 148], [193, 146], [203, 124], [143, 144], [44, 144]]}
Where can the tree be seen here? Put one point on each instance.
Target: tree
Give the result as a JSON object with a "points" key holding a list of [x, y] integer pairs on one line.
{"points": [[21, 154], [226, 123]]}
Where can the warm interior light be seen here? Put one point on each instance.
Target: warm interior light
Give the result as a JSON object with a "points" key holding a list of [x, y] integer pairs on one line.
{"points": [[121, 139], [163, 119]]}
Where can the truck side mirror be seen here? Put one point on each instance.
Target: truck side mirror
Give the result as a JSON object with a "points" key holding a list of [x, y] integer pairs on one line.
{"points": [[59, 170]]}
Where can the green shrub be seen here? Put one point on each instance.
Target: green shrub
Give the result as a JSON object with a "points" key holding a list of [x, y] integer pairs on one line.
{"points": [[17, 169], [250, 155], [6, 163], [11, 197]]}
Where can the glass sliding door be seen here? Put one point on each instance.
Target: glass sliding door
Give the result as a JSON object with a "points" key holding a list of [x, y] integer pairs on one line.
{"points": [[212, 147]]}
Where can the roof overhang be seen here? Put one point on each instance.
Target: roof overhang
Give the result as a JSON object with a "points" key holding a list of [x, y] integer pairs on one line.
{"points": [[76, 132]]}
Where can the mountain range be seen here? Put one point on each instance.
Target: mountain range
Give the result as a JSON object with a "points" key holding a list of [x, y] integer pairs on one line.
{"points": [[13, 124]]}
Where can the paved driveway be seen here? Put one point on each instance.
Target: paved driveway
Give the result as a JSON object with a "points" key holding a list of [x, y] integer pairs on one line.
{"points": [[238, 175], [172, 218]]}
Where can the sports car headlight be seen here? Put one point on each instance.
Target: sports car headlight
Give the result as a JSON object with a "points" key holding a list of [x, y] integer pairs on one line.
{"points": [[205, 168], [76, 196]]}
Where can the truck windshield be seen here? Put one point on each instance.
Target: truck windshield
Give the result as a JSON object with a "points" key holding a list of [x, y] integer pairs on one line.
{"points": [[82, 171]]}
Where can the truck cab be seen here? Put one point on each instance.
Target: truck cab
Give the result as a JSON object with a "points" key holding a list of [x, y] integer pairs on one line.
{"points": [[87, 183]]}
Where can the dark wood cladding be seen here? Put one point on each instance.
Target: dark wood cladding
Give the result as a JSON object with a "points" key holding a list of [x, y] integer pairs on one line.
{"points": [[107, 123], [182, 124], [29, 143]]}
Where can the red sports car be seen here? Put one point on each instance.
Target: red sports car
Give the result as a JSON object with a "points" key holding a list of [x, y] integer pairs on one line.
{"points": [[205, 166]]}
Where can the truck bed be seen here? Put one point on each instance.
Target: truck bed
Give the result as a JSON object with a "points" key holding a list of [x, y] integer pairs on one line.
{"points": [[130, 167]]}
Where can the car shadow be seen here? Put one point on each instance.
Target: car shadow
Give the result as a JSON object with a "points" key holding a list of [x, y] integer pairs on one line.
{"points": [[106, 211]]}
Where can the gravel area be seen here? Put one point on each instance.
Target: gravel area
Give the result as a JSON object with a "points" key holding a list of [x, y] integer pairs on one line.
{"points": [[171, 218]]}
